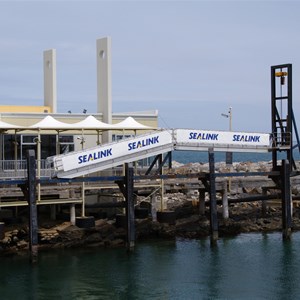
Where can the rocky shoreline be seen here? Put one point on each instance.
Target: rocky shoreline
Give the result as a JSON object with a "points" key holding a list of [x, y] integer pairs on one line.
{"points": [[243, 218]]}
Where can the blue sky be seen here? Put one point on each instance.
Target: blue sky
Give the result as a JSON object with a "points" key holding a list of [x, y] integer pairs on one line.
{"points": [[190, 60]]}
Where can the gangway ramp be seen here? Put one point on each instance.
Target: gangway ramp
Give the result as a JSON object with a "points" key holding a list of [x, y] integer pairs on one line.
{"points": [[221, 141], [110, 155]]}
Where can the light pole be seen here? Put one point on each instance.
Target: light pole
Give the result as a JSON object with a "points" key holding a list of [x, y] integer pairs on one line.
{"points": [[229, 116], [229, 154]]}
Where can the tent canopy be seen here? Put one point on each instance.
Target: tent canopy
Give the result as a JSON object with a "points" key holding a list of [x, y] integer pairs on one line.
{"points": [[89, 123], [131, 123], [6, 126], [50, 123]]}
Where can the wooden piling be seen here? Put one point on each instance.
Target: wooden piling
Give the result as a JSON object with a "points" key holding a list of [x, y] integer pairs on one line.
{"points": [[31, 193], [213, 200], [201, 201], [129, 207], [286, 200]]}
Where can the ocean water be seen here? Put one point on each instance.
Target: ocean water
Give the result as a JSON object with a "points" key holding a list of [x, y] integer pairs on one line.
{"points": [[249, 266], [185, 157]]}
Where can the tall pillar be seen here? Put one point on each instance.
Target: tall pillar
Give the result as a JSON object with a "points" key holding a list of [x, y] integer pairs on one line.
{"points": [[50, 93], [104, 90]]}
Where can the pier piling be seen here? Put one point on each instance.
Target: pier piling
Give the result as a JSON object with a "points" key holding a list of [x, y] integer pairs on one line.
{"points": [[129, 207], [31, 193], [213, 201], [286, 200]]}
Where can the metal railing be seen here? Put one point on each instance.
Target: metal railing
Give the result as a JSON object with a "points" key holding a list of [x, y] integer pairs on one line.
{"points": [[281, 139], [18, 169]]}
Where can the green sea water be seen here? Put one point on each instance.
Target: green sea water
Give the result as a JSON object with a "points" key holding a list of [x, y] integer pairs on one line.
{"points": [[249, 266]]}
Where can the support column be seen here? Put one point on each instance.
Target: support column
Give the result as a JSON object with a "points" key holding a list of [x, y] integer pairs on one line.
{"points": [[153, 207], [31, 198], [213, 200], [72, 214], [129, 207], [264, 203], [225, 210], [286, 200], [53, 212], [201, 202]]}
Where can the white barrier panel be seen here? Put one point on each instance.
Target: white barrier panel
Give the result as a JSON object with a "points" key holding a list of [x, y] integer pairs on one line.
{"points": [[112, 151], [222, 138]]}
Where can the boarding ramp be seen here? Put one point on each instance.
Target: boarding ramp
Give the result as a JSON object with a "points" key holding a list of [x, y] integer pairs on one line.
{"points": [[110, 155], [220, 141]]}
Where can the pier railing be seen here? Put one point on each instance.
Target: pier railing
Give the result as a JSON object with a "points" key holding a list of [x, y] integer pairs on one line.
{"points": [[281, 140], [18, 169]]}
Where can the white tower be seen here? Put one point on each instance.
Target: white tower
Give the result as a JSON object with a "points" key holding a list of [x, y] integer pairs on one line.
{"points": [[50, 94], [104, 93]]}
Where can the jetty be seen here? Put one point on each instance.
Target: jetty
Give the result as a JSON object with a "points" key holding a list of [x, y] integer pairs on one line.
{"points": [[79, 173]]}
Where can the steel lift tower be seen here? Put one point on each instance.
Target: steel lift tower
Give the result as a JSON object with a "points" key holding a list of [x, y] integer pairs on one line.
{"points": [[283, 120]]}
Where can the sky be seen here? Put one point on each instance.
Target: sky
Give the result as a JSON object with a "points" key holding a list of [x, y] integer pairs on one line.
{"points": [[190, 60]]}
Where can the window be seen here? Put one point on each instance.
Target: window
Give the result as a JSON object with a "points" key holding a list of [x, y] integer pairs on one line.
{"points": [[66, 143], [118, 137]]}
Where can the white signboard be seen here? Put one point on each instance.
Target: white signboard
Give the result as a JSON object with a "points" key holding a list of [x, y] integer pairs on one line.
{"points": [[112, 151], [222, 138]]}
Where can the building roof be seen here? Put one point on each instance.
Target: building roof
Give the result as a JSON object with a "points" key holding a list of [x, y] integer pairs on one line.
{"points": [[89, 123]]}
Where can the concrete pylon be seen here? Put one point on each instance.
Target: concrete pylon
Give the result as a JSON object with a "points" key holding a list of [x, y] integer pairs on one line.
{"points": [[104, 90], [50, 93]]}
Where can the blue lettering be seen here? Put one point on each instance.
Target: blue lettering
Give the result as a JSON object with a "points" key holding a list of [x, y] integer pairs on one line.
{"points": [[203, 136], [94, 156], [143, 143], [246, 138]]}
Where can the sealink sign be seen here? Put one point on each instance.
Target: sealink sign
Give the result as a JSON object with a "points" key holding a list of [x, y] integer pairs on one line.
{"points": [[220, 139], [211, 136], [203, 136], [94, 156], [143, 143], [246, 138]]}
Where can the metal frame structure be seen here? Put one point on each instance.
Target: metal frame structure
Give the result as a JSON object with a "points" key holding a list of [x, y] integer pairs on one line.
{"points": [[283, 120]]}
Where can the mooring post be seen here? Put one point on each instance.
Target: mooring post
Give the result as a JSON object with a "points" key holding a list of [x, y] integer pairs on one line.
{"points": [[213, 200], [129, 207], [286, 200], [31, 195]]}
